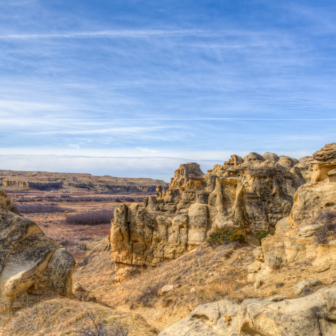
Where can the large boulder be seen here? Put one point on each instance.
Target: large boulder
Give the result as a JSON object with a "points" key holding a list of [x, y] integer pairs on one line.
{"points": [[309, 200], [312, 315], [29, 260]]}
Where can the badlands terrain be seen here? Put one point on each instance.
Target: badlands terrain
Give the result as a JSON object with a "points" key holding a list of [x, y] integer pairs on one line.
{"points": [[38, 180], [248, 248]]}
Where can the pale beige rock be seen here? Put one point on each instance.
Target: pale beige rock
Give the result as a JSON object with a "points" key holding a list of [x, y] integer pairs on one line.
{"points": [[166, 289], [309, 200], [277, 298], [184, 173], [29, 260], [324, 162], [78, 287], [332, 175], [253, 159], [271, 157], [309, 230], [312, 315], [302, 286], [208, 320], [322, 269]]}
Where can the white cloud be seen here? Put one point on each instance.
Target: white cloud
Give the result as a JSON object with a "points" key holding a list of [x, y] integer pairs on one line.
{"points": [[151, 167], [107, 34]]}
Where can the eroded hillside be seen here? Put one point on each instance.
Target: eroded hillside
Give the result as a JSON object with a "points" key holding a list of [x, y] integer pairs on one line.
{"points": [[24, 180]]}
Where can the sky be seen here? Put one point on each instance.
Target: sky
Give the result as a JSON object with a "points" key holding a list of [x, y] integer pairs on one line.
{"points": [[134, 88]]}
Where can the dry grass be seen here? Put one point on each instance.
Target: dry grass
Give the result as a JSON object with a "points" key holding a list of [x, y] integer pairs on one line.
{"points": [[206, 274], [61, 316], [203, 275]]}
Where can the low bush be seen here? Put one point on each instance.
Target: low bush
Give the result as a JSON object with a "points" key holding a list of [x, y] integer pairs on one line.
{"points": [[39, 208], [91, 218], [148, 294], [263, 234], [219, 236], [97, 328]]}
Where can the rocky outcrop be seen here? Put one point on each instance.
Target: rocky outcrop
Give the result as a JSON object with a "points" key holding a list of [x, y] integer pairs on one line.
{"points": [[313, 315], [6, 203], [29, 260], [184, 174], [33, 184], [250, 194], [311, 199], [324, 162], [309, 233]]}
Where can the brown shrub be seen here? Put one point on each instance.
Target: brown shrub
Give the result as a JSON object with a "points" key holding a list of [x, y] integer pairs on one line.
{"points": [[39, 208], [91, 218]]}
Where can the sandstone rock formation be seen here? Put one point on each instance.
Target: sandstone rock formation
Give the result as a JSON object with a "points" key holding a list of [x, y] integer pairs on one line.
{"points": [[313, 315], [324, 161], [309, 233], [251, 193], [184, 174], [29, 260]]}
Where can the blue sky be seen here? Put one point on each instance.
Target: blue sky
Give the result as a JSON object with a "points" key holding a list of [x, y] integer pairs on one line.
{"points": [[134, 88]]}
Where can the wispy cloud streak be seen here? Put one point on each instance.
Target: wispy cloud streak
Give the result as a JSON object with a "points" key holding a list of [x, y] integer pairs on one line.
{"points": [[107, 34]]}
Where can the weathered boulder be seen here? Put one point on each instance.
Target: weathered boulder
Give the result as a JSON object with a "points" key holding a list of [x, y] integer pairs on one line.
{"points": [[271, 157], [303, 286], [324, 161], [253, 159], [29, 260], [211, 319], [166, 289], [184, 173], [308, 234], [309, 200], [313, 315]]}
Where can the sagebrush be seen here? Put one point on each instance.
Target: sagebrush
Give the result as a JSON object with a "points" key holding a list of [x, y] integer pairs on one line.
{"points": [[263, 234], [91, 218], [221, 235], [39, 208], [97, 328]]}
